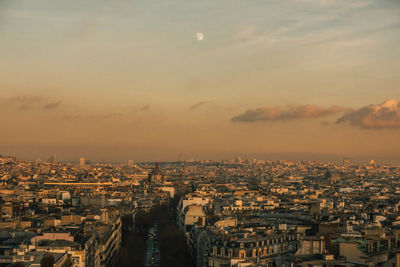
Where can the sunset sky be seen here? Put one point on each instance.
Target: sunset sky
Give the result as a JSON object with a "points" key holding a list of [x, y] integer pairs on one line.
{"points": [[127, 79]]}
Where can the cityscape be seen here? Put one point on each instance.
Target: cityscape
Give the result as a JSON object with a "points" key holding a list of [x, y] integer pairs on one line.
{"points": [[199, 213], [199, 133]]}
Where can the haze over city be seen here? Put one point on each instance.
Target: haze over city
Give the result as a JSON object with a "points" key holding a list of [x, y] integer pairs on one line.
{"points": [[208, 133], [149, 80]]}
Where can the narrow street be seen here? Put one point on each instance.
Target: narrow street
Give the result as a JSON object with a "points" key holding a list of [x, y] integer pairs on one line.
{"points": [[152, 256]]}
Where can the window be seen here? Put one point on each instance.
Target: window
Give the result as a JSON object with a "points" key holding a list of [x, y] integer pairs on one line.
{"points": [[242, 254]]}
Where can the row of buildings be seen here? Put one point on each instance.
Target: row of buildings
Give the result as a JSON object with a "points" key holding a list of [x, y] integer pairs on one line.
{"points": [[69, 212], [294, 214]]}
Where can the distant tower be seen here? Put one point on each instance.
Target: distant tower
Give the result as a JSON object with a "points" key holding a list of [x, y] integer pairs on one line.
{"points": [[82, 162], [130, 163], [155, 176], [52, 159]]}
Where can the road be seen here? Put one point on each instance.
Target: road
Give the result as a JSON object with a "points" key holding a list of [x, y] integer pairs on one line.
{"points": [[152, 248]]}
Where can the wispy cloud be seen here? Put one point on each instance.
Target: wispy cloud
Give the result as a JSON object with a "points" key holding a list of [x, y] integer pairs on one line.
{"points": [[283, 113], [322, 21], [32, 102], [379, 116], [25, 102], [52, 105], [339, 4], [198, 105]]}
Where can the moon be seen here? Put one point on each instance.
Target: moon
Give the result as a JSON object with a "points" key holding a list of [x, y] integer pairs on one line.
{"points": [[199, 36]]}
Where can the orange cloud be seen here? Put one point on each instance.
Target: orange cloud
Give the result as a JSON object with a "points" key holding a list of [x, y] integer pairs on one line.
{"points": [[198, 105], [51, 105], [286, 113], [385, 115]]}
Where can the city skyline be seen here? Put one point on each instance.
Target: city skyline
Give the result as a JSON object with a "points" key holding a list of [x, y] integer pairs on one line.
{"points": [[237, 159], [294, 79]]}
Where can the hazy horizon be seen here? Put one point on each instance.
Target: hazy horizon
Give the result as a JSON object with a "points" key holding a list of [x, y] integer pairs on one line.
{"points": [[124, 157]]}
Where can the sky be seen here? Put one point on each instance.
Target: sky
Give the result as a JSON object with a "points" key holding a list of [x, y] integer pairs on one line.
{"points": [[127, 79]]}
